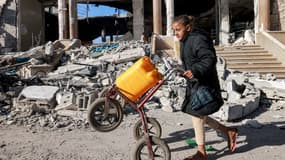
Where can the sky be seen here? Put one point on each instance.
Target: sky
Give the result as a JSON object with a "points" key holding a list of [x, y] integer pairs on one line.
{"points": [[97, 10]]}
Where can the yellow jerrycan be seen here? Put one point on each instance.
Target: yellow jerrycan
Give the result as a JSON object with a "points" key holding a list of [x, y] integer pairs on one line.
{"points": [[138, 79]]}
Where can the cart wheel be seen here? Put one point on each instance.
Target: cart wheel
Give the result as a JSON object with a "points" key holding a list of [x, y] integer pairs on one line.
{"points": [[160, 150], [96, 113], [153, 125], [119, 98]]}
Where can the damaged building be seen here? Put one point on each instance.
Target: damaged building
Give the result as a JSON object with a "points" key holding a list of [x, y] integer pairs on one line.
{"points": [[225, 20], [53, 56]]}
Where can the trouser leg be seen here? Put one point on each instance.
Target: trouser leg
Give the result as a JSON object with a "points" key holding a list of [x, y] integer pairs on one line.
{"points": [[214, 124], [198, 125]]}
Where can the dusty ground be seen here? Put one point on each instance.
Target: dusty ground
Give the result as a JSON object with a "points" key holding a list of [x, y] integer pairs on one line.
{"points": [[21, 143]]}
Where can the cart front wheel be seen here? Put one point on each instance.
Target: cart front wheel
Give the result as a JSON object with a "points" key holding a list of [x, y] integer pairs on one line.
{"points": [[153, 125], [160, 150], [101, 122]]}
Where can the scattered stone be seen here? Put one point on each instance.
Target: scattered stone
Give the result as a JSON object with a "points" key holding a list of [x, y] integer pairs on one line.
{"points": [[2, 146], [252, 123], [10, 122], [167, 109], [152, 105]]}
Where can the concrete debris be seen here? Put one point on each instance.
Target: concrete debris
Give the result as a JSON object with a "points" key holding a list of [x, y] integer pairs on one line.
{"points": [[70, 77], [166, 104], [252, 123], [37, 98], [152, 105], [39, 92], [247, 39]]}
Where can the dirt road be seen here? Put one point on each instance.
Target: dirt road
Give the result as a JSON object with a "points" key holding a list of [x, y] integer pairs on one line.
{"points": [[22, 143]]}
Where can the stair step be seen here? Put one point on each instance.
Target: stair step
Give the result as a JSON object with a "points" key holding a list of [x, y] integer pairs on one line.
{"points": [[250, 59], [254, 45], [239, 46], [257, 61], [251, 48], [259, 68], [240, 51], [245, 54], [276, 64]]}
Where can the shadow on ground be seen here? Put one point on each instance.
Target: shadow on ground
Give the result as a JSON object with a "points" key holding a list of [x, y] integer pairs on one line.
{"points": [[271, 134]]}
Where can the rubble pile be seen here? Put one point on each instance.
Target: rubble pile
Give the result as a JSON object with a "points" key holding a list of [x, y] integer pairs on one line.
{"points": [[41, 86], [247, 39], [52, 86]]}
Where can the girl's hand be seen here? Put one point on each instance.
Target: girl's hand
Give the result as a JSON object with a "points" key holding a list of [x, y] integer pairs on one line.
{"points": [[188, 74]]}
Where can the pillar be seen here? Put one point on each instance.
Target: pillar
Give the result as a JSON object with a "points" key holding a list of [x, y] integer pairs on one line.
{"points": [[224, 22], [73, 23], [138, 18], [256, 18], [169, 16], [217, 19], [19, 15], [62, 21], [157, 17], [264, 14]]}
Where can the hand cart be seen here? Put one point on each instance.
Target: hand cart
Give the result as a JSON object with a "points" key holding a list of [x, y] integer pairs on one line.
{"points": [[105, 114]]}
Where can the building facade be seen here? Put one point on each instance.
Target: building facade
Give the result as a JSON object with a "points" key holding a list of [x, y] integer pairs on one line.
{"points": [[24, 23]]}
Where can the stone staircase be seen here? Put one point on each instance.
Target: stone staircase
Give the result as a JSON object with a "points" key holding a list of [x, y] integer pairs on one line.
{"points": [[251, 58]]}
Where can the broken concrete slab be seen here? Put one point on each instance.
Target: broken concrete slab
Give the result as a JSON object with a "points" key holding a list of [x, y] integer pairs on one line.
{"points": [[37, 95], [67, 44], [39, 92], [68, 68], [240, 109], [252, 123], [125, 56]]}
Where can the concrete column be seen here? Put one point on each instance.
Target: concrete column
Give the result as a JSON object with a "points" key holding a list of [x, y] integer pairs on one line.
{"points": [[256, 17], [19, 15], [264, 14], [224, 22], [217, 18], [170, 16], [157, 17], [138, 18], [73, 23], [62, 21]]}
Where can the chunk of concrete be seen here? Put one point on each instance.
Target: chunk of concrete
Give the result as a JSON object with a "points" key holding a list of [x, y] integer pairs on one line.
{"points": [[239, 109], [39, 92], [40, 96], [125, 56]]}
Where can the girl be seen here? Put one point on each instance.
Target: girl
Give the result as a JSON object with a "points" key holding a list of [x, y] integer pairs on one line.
{"points": [[199, 60]]}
